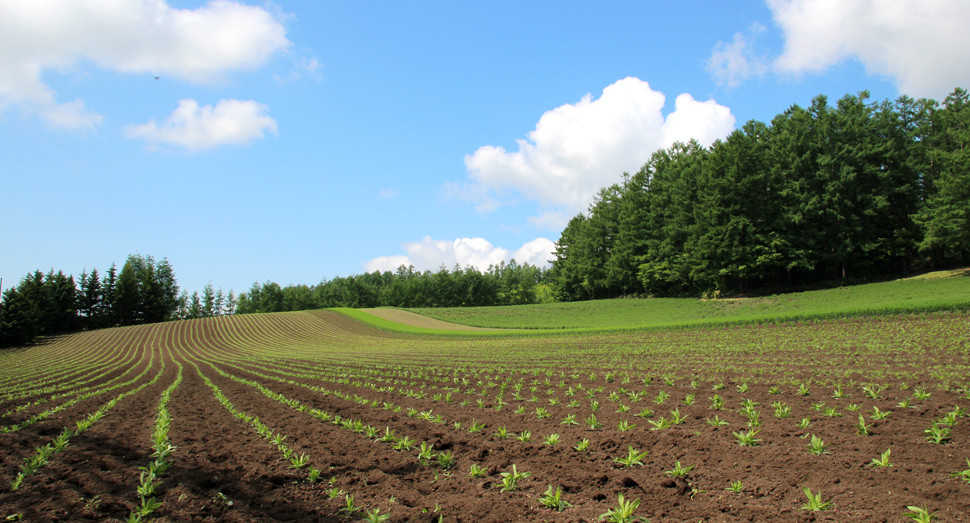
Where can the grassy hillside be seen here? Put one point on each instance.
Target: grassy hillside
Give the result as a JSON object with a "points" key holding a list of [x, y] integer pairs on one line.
{"points": [[938, 291]]}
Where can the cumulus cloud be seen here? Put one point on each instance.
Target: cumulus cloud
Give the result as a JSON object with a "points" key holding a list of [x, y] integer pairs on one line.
{"points": [[131, 36], [230, 122], [576, 149], [731, 64], [429, 254], [919, 44]]}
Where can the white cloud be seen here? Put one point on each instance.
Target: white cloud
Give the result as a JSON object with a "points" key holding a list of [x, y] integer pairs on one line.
{"points": [[576, 149], [919, 44], [731, 64], [537, 252], [70, 115], [131, 36], [550, 220], [230, 122], [387, 194], [429, 254]]}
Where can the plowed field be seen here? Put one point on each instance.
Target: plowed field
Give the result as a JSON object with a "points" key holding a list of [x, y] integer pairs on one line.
{"points": [[312, 416]]}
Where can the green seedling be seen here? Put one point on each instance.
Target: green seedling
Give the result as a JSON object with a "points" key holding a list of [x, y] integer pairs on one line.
{"points": [[920, 514], [882, 460], [582, 445], [551, 440], [510, 480], [298, 462], [553, 499], [477, 471], [678, 471], [747, 439], [632, 458], [817, 447], [623, 513], [815, 502], [404, 443], [937, 434], [880, 414], [963, 474], [717, 422], [425, 453], [592, 422], [446, 460], [525, 435], [736, 486], [375, 516]]}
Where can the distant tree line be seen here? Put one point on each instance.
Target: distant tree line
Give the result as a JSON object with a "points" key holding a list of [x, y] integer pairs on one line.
{"points": [[859, 190], [144, 291], [501, 284]]}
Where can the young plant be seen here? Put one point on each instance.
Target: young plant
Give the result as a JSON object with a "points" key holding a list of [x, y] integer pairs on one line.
{"points": [[676, 418], [551, 440], [716, 422], [660, 424], [804, 423], [678, 471], [404, 443], [717, 402], [582, 446], [476, 427], [747, 439], [446, 460], [349, 507], [553, 499], [623, 513], [963, 474], [862, 428], [298, 462], [817, 447], [501, 432], [592, 422], [570, 419], [815, 502], [882, 460], [510, 480], [632, 458], [880, 414], [313, 474], [525, 435], [644, 413], [937, 434], [375, 516], [920, 514], [425, 453], [736, 487], [624, 426], [477, 471]]}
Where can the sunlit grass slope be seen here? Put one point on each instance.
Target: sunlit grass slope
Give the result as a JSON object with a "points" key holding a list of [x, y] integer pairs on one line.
{"points": [[947, 291]]}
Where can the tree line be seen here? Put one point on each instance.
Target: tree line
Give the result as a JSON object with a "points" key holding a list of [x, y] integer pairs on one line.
{"points": [[144, 291], [501, 284], [855, 191]]}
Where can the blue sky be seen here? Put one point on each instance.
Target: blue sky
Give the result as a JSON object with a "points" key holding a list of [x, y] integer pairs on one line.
{"points": [[296, 141]]}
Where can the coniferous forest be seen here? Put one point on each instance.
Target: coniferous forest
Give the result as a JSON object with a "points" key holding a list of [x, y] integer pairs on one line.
{"points": [[855, 191]]}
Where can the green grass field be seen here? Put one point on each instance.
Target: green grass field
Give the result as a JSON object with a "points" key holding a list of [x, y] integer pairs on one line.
{"points": [[927, 293]]}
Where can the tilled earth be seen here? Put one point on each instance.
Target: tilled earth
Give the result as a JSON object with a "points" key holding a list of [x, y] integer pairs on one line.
{"points": [[222, 470]]}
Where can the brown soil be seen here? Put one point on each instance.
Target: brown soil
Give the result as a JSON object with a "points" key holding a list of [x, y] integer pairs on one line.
{"points": [[224, 471]]}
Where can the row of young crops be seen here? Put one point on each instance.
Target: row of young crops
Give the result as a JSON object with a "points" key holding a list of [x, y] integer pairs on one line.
{"points": [[312, 416]]}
